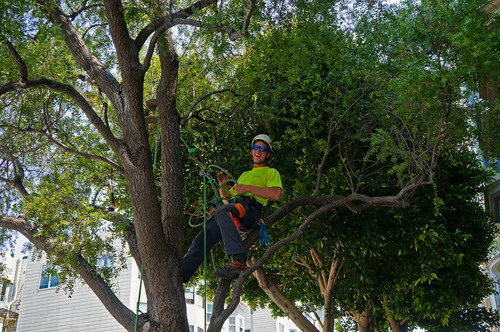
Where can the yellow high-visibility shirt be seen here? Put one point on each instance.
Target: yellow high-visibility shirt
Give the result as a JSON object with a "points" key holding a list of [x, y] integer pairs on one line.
{"points": [[259, 177]]}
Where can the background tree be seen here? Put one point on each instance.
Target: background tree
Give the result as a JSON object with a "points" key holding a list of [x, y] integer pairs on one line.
{"points": [[301, 117]]}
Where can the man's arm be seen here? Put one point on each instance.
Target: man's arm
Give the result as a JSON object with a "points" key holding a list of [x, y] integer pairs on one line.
{"points": [[223, 177], [273, 193]]}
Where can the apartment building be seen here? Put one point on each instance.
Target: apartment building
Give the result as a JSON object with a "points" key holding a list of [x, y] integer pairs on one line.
{"points": [[45, 307], [12, 274]]}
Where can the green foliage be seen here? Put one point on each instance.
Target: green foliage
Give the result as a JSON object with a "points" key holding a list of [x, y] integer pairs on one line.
{"points": [[394, 71], [467, 319], [308, 73]]}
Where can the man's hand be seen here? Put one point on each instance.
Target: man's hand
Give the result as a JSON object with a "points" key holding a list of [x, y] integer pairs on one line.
{"points": [[241, 188], [222, 177]]}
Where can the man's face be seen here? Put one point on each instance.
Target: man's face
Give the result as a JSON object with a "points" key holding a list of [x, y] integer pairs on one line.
{"points": [[259, 156]]}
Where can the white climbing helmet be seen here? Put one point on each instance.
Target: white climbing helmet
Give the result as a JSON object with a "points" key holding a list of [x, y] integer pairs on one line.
{"points": [[264, 138]]}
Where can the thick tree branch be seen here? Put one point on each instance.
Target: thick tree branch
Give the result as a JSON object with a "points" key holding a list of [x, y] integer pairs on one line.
{"points": [[71, 92], [128, 233], [94, 68], [246, 22], [279, 298], [21, 65], [321, 275], [166, 22], [17, 181], [151, 48], [363, 319], [329, 304], [128, 54], [396, 325], [221, 294], [117, 309], [101, 289]]}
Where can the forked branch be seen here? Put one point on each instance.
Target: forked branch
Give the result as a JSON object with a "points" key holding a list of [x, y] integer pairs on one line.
{"points": [[331, 203]]}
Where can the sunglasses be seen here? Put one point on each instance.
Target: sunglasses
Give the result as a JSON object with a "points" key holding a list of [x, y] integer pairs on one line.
{"points": [[261, 148]]}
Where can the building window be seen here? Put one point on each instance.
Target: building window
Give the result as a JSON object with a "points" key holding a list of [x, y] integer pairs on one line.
{"points": [[210, 308], [189, 295], [143, 307], [293, 330], [232, 324], [11, 291], [199, 329], [496, 209], [191, 328], [48, 280], [5, 285], [104, 262], [104, 266], [201, 301]]}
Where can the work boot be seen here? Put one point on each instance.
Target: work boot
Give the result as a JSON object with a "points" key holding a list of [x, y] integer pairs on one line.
{"points": [[236, 264]]}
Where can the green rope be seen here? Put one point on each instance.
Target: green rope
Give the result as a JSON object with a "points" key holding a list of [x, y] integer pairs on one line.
{"points": [[138, 302], [216, 186], [205, 252], [217, 199]]}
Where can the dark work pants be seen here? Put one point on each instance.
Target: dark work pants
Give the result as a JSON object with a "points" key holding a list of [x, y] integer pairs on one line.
{"points": [[221, 227]]}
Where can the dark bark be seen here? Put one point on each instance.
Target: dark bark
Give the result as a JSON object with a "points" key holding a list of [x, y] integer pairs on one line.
{"points": [[173, 308]]}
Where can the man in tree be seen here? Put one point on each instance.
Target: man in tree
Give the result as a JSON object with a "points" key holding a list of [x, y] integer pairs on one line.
{"points": [[239, 214]]}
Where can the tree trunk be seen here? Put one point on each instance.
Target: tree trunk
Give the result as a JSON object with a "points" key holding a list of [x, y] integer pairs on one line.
{"points": [[166, 282], [218, 306], [398, 326], [329, 320], [363, 320]]}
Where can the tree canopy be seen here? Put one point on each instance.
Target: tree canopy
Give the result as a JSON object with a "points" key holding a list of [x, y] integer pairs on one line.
{"points": [[372, 106]]}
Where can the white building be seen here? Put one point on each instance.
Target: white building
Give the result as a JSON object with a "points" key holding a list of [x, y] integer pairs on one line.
{"points": [[12, 274], [35, 302], [46, 308]]}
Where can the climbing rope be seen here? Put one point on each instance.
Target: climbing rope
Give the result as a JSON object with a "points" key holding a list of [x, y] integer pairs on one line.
{"points": [[217, 200]]}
